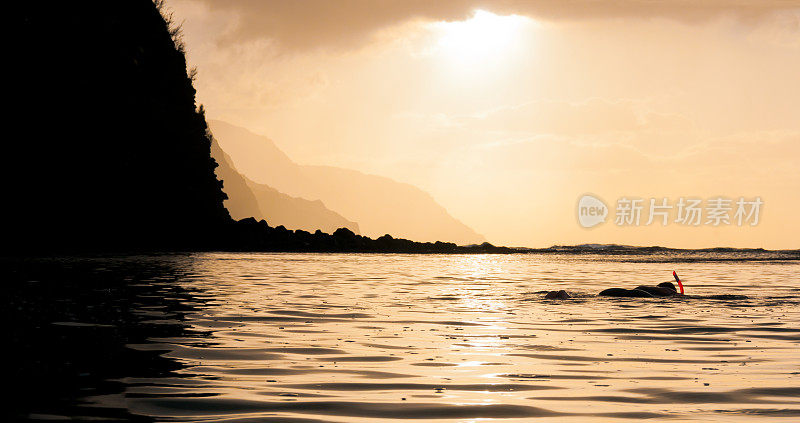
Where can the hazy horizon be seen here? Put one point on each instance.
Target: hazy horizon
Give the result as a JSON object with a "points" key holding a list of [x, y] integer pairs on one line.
{"points": [[508, 113]]}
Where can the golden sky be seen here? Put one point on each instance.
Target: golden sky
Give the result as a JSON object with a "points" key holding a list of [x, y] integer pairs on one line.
{"points": [[508, 111]]}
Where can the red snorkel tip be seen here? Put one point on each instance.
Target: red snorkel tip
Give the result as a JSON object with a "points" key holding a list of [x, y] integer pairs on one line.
{"points": [[680, 285]]}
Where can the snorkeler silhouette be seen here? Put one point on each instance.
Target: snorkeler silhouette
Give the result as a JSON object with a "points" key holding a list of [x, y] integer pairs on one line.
{"points": [[664, 289]]}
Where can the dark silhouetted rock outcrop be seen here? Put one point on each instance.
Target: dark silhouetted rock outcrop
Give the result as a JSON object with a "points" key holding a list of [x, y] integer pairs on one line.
{"points": [[251, 235]]}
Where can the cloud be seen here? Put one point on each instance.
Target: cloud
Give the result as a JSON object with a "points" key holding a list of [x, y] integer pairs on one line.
{"points": [[306, 24], [561, 153], [772, 155], [590, 116]]}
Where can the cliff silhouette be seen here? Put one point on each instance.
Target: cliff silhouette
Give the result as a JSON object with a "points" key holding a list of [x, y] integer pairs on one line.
{"points": [[108, 151], [110, 148]]}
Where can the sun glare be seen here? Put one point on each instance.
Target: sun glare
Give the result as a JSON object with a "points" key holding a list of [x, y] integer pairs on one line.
{"points": [[482, 37]]}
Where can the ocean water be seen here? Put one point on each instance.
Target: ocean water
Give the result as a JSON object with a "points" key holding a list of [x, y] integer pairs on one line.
{"points": [[372, 337]]}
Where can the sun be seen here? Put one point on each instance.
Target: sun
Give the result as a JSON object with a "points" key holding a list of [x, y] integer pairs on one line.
{"points": [[482, 37]]}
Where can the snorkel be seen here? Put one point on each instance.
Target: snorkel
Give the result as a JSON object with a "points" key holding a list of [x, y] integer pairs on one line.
{"points": [[680, 285]]}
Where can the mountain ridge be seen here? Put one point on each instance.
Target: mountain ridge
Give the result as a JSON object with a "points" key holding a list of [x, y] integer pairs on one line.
{"points": [[247, 198], [379, 204]]}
